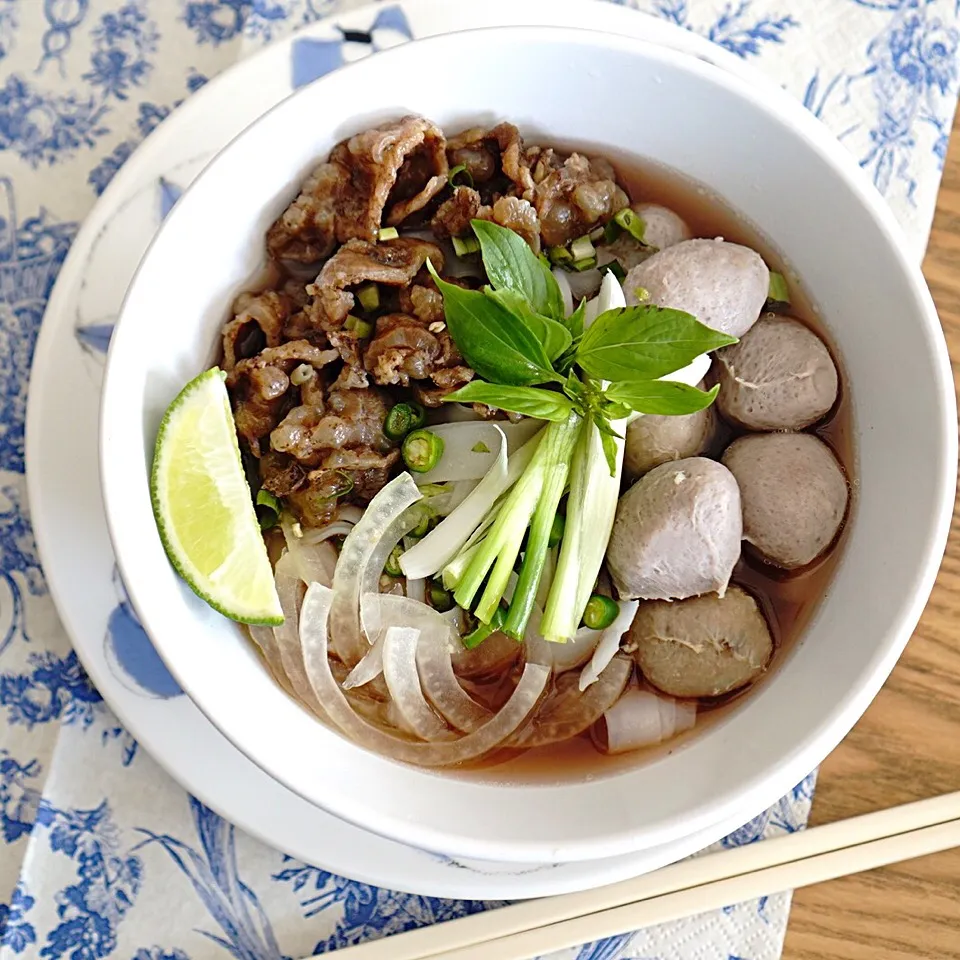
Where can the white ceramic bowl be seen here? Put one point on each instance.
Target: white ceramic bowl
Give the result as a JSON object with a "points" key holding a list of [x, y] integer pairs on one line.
{"points": [[772, 162]]}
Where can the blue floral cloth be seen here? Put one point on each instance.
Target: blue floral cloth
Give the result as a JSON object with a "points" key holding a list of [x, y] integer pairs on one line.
{"points": [[101, 854]]}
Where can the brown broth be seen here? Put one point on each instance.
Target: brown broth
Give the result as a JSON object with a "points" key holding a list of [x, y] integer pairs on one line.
{"points": [[788, 598]]}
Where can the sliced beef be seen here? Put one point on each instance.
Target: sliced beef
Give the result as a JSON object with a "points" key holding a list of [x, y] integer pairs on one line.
{"points": [[402, 349], [281, 475], [574, 198], [394, 262], [486, 154], [423, 301], [453, 217], [518, 215], [383, 174], [258, 322], [259, 386]]}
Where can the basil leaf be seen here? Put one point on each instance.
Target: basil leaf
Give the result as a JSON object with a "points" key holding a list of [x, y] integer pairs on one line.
{"points": [[554, 336], [490, 339], [615, 410], [542, 404], [512, 265], [574, 389], [661, 397], [608, 443], [645, 343]]}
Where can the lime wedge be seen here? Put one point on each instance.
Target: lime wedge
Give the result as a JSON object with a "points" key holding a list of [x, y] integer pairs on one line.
{"points": [[204, 507]]}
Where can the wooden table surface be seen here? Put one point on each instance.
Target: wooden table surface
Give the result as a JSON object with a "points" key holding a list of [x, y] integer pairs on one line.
{"points": [[907, 745]]}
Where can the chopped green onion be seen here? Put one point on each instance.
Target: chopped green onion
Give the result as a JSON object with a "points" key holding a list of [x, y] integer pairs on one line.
{"points": [[402, 418], [614, 267], [422, 450], [440, 599], [392, 567], [559, 255], [611, 231], [596, 233], [556, 530], [632, 223], [435, 489], [388, 233], [580, 265], [464, 246], [582, 249], [269, 509], [369, 296], [483, 630], [360, 328], [642, 294], [600, 612], [301, 374], [779, 291], [456, 171], [480, 447]]}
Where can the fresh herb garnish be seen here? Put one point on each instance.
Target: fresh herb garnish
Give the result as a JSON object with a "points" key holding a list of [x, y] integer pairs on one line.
{"points": [[586, 381], [779, 290]]}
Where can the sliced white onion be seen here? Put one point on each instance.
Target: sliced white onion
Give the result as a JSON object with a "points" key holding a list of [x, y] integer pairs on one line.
{"points": [[313, 560], [265, 640], [609, 643], [349, 512], [316, 610], [576, 651], [403, 682], [641, 718], [286, 634], [568, 711], [355, 556], [369, 668], [370, 622], [565, 292], [438, 640], [469, 451], [339, 528], [442, 544]]}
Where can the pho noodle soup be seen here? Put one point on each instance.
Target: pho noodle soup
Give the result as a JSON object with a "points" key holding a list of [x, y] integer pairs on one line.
{"points": [[550, 454]]}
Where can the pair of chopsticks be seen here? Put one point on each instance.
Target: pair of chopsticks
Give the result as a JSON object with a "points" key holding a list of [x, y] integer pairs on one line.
{"points": [[529, 929]]}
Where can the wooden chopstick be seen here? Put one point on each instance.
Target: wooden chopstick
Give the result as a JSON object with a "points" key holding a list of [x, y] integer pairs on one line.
{"points": [[535, 927]]}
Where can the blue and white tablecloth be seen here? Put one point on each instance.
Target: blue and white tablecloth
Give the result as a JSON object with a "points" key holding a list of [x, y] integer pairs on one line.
{"points": [[101, 854]]}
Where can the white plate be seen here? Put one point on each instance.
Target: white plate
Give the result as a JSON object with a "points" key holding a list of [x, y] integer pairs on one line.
{"points": [[68, 515]]}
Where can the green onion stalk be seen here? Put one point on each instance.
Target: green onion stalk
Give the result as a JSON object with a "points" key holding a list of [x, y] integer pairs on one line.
{"points": [[532, 502]]}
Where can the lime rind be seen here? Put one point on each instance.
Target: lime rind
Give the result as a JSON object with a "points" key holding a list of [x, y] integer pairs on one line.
{"points": [[197, 451]]}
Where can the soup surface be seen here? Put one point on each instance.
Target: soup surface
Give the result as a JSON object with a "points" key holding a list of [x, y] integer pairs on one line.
{"points": [[381, 359]]}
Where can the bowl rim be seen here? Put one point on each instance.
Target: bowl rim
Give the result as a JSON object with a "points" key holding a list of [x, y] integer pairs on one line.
{"points": [[766, 785]]}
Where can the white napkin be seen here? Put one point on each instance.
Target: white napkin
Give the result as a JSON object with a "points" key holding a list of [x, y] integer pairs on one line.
{"points": [[102, 854]]}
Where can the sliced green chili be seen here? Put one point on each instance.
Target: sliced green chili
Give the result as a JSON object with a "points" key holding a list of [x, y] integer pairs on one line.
{"points": [[422, 450], [600, 612], [402, 418]]}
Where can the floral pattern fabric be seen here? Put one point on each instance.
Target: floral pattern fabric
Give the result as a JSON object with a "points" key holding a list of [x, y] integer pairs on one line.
{"points": [[103, 855]]}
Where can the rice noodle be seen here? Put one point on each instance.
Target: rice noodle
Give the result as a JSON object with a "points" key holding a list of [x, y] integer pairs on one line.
{"points": [[641, 718], [339, 528], [349, 512], [609, 643], [387, 506], [568, 711], [317, 609], [403, 682]]}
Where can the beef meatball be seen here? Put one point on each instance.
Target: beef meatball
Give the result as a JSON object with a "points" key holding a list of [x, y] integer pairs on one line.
{"points": [[677, 532], [722, 284], [703, 647], [780, 376], [794, 495]]}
